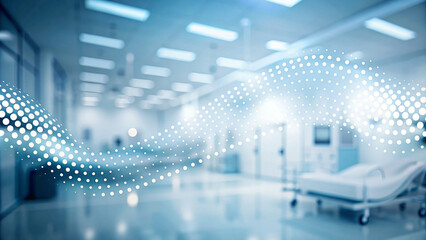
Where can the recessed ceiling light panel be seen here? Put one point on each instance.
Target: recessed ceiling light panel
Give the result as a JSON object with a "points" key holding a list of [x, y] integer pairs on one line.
{"points": [[276, 45], [231, 63], [133, 92], [176, 54], [142, 83], [96, 63], [155, 71], [201, 77], [118, 9], [182, 87], [92, 87], [390, 29], [287, 3], [94, 77], [101, 41], [166, 94], [212, 32]]}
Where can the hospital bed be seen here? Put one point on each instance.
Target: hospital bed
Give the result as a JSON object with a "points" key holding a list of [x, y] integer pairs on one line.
{"points": [[366, 186]]}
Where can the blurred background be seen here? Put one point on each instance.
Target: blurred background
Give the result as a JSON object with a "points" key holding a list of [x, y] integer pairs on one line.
{"points": [[118, 72]]}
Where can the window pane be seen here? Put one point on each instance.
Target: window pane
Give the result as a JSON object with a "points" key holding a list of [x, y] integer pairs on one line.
{"points": [[8, 68], [29, 53], [28, 82], [7, 28], [7, 175]]}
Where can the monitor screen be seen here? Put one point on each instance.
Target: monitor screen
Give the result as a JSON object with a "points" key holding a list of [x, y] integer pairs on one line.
{"points": [[322, 135]]}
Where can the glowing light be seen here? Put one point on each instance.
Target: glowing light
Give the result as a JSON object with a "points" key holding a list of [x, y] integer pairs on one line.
{"points": [[132, 132], [212, 32], [118, 9], [231, 63], [142, 83], [132, 199], [287, 3], [276, 45], [155, 71], [101, 41], [176, 54], [182, 87], [390, 29], [96, 63], [200, 77]]}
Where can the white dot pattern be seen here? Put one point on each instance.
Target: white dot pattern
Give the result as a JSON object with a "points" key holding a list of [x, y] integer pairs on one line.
{"points": [[319, 88]]}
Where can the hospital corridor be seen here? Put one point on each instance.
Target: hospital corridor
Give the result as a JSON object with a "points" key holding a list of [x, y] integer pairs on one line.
{"points": [[212, 119]]}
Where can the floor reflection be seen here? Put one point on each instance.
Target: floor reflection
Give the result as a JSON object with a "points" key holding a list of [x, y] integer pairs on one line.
{"points": [[202, 205]]}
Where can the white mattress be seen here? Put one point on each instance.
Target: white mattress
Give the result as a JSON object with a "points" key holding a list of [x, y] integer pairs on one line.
{"points": [[348, 184]]}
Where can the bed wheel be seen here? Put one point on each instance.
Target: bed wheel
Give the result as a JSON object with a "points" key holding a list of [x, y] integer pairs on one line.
{"points": [[293, 203], [422, 212], [363, 220], [402, 206]]}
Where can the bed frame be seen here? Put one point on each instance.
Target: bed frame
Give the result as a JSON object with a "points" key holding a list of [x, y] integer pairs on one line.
{"points": [[413, 190]]}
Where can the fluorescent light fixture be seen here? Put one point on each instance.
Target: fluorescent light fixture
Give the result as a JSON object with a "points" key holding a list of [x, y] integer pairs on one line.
{"points": [[93, 77], [212, 32], [101, 41], [96, 62], [166, 94], [92, 87], [91, 94], [153, 99], [90, 99], [118, 9], [133, 92], [141, 83], [123, 101], [176, 54], [182, 87], [231, 63], [145, 105], [90, 104], [155, 71], [287, 3], [5, 35], [200, 77], [389, 29], [276, 45]]}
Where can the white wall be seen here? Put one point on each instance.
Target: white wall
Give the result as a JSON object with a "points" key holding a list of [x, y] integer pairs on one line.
{"points": [[107, 124]]}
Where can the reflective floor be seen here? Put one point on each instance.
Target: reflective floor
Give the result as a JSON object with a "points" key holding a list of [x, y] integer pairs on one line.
{"points": [[203, 205]]}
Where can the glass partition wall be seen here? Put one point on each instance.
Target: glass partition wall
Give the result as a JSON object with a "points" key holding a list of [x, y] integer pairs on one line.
{"points": [[19, 66]]}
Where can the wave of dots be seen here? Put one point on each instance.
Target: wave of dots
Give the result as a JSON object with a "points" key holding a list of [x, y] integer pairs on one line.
{"points": [[319, 88]]}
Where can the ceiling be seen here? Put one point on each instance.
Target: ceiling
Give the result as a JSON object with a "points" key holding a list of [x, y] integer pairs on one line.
{"points": [[56, 26]]}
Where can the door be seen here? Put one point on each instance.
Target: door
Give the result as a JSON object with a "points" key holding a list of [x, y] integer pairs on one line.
{"points": [[272, 152]]}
